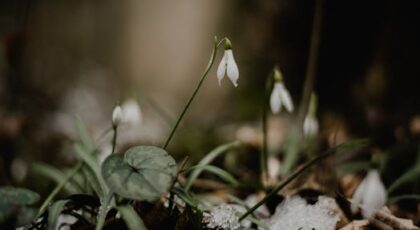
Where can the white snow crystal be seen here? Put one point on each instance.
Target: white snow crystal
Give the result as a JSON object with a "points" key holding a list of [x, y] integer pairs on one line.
{"points": [[225, 216], [295, 213]]}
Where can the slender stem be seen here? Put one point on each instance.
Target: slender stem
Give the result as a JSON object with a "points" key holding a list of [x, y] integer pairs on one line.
{"points": [[312, 62], [296, 135], [351, 145], [264, 151], [203, 77], [58, 188], [114, 138], [104, 210], [287, 181]]}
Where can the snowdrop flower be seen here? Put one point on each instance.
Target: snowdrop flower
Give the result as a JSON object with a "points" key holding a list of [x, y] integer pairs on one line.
{"points": [[370, 196], [131, 112], [228, 65], [273, 165], [117, 116], [280, 96], [310, 124]]}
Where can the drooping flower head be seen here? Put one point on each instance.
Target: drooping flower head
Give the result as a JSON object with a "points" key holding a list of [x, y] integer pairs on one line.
{"points": [[310, 124], [280, 96], [117, 116], [228, 65], [370, 196]]}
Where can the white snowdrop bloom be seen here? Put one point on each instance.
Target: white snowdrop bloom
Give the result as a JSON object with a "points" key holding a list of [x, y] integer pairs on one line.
{"points": [[370, 196], [280, 96], [310, 126], [228, 65], [117, 116], [295, 213], [273, 165], [225, 216], [131, 112]]}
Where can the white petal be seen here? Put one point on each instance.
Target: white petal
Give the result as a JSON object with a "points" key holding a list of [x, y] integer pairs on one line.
{"points": [[310, 126], [358, 196], [374, 197], [275, 102], [117, 115], [232, 68], [273, 165], [221, 70], [131, 112], [286, 99]]}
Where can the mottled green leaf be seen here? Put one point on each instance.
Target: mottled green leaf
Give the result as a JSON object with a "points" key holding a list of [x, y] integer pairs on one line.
{"points": [[14, 202], [144, 173], [19, 196]]}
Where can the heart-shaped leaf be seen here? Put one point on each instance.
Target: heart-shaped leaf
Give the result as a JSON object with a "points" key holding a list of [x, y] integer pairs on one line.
{"points": [[144, 173], [15, 205]]}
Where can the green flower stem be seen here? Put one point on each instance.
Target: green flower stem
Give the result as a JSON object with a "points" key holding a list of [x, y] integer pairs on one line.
{"points": [[287, 181], [104, 210], [264, 151], [58, 188], [114, 138], [203, 77]]}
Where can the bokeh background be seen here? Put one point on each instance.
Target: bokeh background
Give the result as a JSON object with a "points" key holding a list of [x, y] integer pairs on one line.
{"points": [[62, 58]]}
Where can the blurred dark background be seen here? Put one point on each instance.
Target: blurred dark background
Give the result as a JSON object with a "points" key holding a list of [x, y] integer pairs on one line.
{"points": [[60, 58]]}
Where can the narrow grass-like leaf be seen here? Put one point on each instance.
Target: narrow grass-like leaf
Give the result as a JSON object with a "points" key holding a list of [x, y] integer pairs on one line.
{"points": [[404, 197], [55, 175], [58, 188], [223, 174], [411, 175], [186, 197], [345, 147], [92, 184], [94, 166], [54, 212], [353, 167], [131, 218], [85, 138], [208, 159]]}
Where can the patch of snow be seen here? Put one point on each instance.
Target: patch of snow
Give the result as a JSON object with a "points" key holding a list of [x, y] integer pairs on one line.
{"points": [[295, 213], [226, 216]]}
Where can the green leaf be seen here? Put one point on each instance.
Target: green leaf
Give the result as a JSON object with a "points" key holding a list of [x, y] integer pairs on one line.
{"points": [[411, 175], [145, 173], [55, 175], [85, 138], [404, 197], [131, 218], [186, 197], [54, 213], [208, 159], [353, 167], [15, 202], [226, 176], [19, 196], [94, 166]]}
